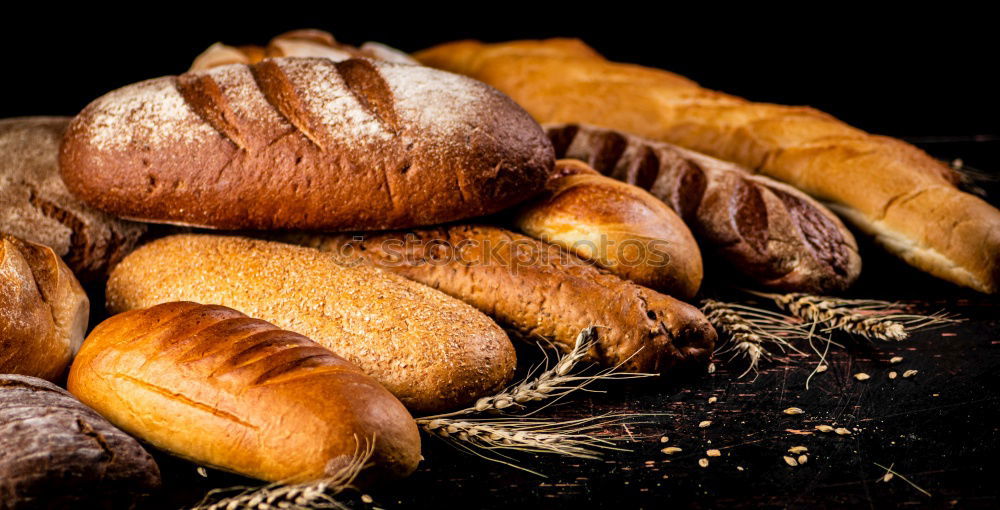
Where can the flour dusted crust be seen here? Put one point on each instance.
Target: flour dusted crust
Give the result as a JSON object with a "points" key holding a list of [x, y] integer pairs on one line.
{"points": [[36, 206], [305, 143]]}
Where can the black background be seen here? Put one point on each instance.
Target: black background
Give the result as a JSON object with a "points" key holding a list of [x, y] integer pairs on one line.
{"points": [[923, 76], [907, 73]]}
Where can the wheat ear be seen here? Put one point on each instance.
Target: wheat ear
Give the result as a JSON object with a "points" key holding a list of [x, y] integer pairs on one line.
{"points": [[750, 329], [516, 430], [300, 496], [869, 318]]}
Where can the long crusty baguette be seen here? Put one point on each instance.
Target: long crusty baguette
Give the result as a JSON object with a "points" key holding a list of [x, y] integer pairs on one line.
{"points": [[770, 232], [212, 385], [538, 289], [43, 310], [305, 143], [431, 351], [58, 453], [36, 206], [297, 43], [906, 199], [620, 227]]}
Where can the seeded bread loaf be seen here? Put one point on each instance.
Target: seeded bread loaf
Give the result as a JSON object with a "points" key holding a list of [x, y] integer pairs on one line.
{"points": [[538, 290], [431, 351], [36, 206], [305, 143], [212, 385]]}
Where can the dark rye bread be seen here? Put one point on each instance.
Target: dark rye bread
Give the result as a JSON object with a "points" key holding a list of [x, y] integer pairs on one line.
{"points": [[305, 143], [36, 206], [772, 233], [538, 290], [58, 453]]}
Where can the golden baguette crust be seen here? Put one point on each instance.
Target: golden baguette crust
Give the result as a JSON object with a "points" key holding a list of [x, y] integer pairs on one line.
{"points": [[618, 226], [214, 386], [431, 351], [305, 143], [539, 289], [43, 310], [890, 189]]}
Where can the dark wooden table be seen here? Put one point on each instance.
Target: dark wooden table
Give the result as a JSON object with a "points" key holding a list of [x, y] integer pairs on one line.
{"points": [[939, 428]]}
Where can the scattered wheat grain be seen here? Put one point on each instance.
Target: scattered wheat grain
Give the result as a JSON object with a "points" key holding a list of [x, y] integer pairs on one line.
{"points": [[713, 453], [861, 376], [793, 410], [790, 461], [703, 462]]}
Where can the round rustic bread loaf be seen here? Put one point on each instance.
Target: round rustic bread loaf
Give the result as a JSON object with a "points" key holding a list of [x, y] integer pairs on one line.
{"points": [[58, 453], [305, 143]]}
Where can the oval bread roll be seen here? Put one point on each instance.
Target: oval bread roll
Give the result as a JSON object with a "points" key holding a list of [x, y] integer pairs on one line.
{"points": [[618, 226], [43, 310], [58, 453], [214, 386], [305, 143], [432, 351]]}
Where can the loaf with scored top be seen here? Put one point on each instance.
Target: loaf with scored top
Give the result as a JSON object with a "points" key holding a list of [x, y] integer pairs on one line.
{"points": [[43, 310], [212, 385], [433, 352], [305, 143], [889, 189], [767, 231]]}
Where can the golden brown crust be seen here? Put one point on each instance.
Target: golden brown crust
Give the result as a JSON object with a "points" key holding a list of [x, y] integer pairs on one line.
{"points": [[36, 206], [538, 289], [431, 351], [43, 310], [212, 385], [773, 234], [620, 227], [305, 143], [890, 189]]}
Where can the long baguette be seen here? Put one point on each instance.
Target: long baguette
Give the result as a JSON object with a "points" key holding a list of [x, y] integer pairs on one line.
{"points": [[539, 290], [906, 199], [431, 351]]}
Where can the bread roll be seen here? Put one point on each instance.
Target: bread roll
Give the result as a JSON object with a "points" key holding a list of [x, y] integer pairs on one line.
{"points": [[297, 43], [214, 386], [540, 290], [36, 206], [58, 453], [305, 143], [770, 232], [43, 310], [431, 351], [906, 199], [618, 226]]}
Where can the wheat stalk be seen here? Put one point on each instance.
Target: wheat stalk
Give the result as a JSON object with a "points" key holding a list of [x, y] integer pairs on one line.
{"points": [[551, 384], [516, 430], [750, 329], [301, 496], [869, 318]]}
